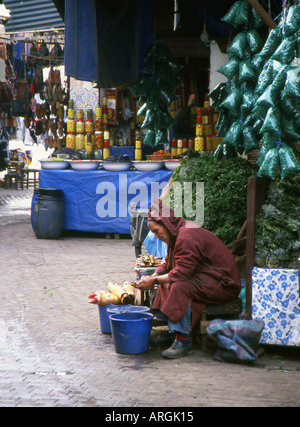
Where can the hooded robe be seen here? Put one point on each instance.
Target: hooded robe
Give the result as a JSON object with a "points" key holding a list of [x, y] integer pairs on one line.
{"points": [[201, 268]]}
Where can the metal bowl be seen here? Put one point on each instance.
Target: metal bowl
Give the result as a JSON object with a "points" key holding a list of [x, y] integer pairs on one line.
{"points": [[116, 166], [146, 166], [84, 165], [171, 165], [54, 164]]}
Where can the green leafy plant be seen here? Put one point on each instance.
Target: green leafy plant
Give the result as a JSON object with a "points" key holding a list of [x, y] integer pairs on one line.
{"points": [[277, 226], [225, 191]]}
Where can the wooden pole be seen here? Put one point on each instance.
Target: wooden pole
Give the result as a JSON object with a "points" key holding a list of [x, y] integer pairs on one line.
{"points": [[262, 13]]}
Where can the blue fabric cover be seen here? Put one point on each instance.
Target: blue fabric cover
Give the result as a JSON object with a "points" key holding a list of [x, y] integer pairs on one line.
{"points": [[84, 192]]}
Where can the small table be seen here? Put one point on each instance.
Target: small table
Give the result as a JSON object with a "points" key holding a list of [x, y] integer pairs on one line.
{"points": [[31, 181]]}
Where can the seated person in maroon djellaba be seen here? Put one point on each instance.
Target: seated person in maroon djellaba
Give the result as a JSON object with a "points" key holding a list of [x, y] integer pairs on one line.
{"points": [[199, 269]]}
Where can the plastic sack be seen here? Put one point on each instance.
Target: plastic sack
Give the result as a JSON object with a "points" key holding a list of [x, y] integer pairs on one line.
{"points": [[286, 50], [238, 14], [272, 121], [260, 60], [238, 46], [297, 122], [279, 81], [218, 95], [149, 120], [258, 63], [223, 124], [230, 69], [265, 78], [289, 129], [215, 93], [237, 340], [161, 136], [293, 82], [234, 136], [249, 139], [246, 73], [273, 41], [142, 88], [292, 22], [289, 104], [270, 164], [268, 144], [264, 102], [149, 138], [233, 101], [248, 102], [142, 111], [288, 161], [155, 246], [255, 41], [257, 125]]}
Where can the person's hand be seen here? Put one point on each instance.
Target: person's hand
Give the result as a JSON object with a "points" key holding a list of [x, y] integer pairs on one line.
{"points": [[145, 283], [191, 99]]}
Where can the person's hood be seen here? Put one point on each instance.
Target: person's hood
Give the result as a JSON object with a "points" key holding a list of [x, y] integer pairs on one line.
{"points": [[161, 213]]}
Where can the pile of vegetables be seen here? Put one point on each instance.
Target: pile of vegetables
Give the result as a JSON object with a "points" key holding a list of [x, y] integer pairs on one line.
{"points": [[225, 191], [277, 225]]}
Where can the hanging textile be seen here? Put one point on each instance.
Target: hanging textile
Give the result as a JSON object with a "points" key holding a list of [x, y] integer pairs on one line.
{"points": [[105, 42], [4, 149]]}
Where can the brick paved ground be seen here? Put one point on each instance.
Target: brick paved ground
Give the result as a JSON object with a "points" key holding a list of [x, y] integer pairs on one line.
{"points": [[53, 354]]}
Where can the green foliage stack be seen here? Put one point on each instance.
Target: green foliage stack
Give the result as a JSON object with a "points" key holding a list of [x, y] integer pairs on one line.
{"points": [[277, 226], [225, 191]]}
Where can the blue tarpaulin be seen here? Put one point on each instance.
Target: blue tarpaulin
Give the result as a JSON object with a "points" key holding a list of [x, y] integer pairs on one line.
{"points": [[105, 42], [99, 201]]}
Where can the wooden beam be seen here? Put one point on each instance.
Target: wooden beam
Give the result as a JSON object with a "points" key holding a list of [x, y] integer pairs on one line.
{"points": [[262, 13], [256, 195]]}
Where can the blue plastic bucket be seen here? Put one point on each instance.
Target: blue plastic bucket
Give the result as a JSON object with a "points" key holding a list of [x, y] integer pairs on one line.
{"points": [[104, 317], [48, 216], [131, 332], [128, 308]]}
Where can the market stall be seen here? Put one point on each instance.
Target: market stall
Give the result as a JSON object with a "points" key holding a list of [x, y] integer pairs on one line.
{"points": [[99, 200]]}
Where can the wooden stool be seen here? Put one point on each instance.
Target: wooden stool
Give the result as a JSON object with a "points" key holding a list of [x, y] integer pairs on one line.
{"points": [[32, 181], [230, 310]]}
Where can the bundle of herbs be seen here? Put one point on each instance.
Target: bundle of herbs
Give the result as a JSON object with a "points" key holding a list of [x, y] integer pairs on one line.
{"points": [[225, 191], [277, 226]]}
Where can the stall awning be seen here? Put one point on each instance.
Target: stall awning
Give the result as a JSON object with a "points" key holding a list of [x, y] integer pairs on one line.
{"points": [[105, 42], [32, 15]]}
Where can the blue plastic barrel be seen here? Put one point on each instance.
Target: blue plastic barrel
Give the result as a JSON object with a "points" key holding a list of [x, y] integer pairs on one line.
{"points": [[48, 218], [34, 202], [104, 317], [131, 332]]}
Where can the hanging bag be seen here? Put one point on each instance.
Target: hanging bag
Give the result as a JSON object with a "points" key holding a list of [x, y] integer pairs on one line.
{"points": [[22, 90], [20, 104]]}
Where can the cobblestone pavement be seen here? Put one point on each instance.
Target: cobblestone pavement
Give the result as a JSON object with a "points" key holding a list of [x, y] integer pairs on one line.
{"points": [[53, 354]]}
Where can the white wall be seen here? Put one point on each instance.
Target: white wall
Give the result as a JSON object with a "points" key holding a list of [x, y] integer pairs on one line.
{"points": [[217, 60]]}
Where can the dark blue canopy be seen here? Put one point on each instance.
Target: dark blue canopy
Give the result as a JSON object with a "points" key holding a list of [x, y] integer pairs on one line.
{"points": [[105, 42]]}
